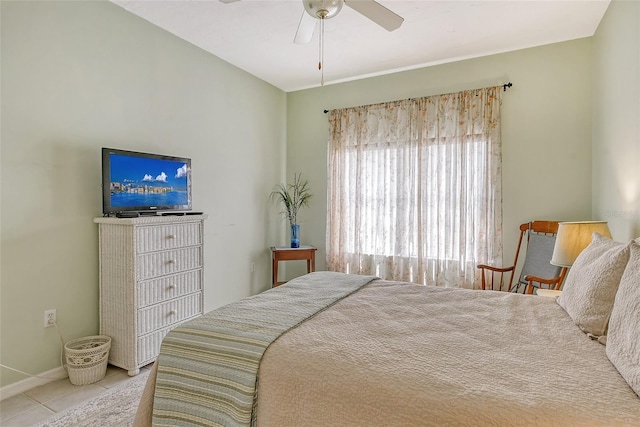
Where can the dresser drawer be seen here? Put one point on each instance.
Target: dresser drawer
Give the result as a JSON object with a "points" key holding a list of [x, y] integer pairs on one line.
{"points": [[156, 264], [149, 344], [167, 313], [169, 287], [169, 236]]}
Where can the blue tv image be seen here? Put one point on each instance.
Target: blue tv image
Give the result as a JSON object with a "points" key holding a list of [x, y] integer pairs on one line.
{"points": [[145, 182]]}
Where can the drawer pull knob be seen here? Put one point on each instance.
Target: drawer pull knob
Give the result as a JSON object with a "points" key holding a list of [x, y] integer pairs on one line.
{"points": [[171, 236], [171, 261], [173, 312], [172, 286]]}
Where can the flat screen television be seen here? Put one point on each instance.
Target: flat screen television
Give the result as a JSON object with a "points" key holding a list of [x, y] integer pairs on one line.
{"points": [[144, 183]]}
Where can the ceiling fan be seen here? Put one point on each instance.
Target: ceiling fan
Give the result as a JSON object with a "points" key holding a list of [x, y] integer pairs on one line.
{"points": [[319, 10], [315, 10]]}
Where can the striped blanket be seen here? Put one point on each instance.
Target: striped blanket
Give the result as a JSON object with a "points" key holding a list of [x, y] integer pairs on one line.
{"points": [[207, 368]]}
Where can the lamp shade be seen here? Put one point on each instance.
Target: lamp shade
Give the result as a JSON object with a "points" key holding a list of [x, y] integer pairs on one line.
{"points": [[573, 237]]}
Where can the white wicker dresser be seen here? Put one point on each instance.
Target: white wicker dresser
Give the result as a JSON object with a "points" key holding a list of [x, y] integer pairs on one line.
{"points": [[151, 280]]}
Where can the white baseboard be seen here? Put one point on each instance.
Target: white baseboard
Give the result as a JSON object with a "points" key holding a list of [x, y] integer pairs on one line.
{"points": [[29, 383]]}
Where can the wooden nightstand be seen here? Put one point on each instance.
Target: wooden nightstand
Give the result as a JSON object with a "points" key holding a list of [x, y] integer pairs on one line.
{"points": [[283, 253], [548, 293]]}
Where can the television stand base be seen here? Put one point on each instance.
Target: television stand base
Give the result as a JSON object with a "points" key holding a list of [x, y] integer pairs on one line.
{"points": [[180, 213], [127, 215]]}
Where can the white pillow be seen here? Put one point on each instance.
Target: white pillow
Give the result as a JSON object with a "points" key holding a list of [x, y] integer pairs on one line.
{"points": [[623, 340], [592, 283]]}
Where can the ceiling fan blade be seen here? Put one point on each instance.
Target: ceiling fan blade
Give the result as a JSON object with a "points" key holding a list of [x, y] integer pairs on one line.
{"points": [[377, 13], [306, 28]]}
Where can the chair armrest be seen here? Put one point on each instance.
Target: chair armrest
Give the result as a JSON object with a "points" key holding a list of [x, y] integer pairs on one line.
{"points": [[531, 278], [555, 281], [497, 269]]}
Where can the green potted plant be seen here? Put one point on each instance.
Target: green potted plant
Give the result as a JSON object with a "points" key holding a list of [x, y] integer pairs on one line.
{"points": [[293, 197]]}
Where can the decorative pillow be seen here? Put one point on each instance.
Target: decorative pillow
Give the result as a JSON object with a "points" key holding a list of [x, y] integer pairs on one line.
{"points": [[623, 341], [591, 285]]}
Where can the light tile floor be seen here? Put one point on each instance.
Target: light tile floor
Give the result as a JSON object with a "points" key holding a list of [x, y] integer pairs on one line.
{"points": [[38, 404]]}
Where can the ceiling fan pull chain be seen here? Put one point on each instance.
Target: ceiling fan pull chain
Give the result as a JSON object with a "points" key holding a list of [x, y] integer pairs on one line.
{"points": [[321, 53], [320, 45]]}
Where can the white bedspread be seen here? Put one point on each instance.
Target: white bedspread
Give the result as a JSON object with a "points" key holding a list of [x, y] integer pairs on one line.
{"points": [[396, 354]]}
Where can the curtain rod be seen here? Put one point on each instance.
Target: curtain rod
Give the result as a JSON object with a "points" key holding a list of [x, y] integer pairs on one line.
{"points": [[504, 88]]}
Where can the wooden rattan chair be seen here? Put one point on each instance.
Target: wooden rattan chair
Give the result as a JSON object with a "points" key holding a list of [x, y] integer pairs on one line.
{"points": [[537, 272]]}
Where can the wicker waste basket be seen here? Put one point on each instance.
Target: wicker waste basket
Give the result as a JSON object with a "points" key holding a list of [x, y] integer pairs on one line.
{"points": [[87, 359]]}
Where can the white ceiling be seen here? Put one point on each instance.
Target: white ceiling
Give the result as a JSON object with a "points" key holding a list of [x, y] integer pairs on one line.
{"points": [[257, 35]]}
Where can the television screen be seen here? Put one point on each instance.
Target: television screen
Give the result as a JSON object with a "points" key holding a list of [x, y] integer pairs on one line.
{"points": [[144, 182]]}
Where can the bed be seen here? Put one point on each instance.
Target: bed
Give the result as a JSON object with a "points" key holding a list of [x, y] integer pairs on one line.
{"points": [[395, 354]]}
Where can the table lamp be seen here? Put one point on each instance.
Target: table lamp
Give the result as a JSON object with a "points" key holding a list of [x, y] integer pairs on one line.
{"points": [[573, 237]]}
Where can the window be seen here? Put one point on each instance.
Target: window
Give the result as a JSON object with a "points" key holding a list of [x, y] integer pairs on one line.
{"points": [[414, 188]]}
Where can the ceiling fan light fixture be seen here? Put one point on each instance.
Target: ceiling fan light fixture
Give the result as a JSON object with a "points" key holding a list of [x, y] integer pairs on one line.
{"points": [[323, 9]]}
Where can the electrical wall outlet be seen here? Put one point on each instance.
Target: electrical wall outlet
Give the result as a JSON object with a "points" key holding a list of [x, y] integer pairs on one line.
{"points": [[253, 267], [49, 318]]}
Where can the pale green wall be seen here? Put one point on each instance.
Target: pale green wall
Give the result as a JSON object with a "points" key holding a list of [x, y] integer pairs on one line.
{"points": [[546, 130], [77, 76], [616, 119]]}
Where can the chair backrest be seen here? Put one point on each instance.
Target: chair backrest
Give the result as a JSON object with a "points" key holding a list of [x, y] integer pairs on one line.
{"points": [[541, 238], [536, 261]]}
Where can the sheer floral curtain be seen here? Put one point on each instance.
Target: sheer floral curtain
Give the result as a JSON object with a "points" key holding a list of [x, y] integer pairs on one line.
{"points": [[414, 188]]}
